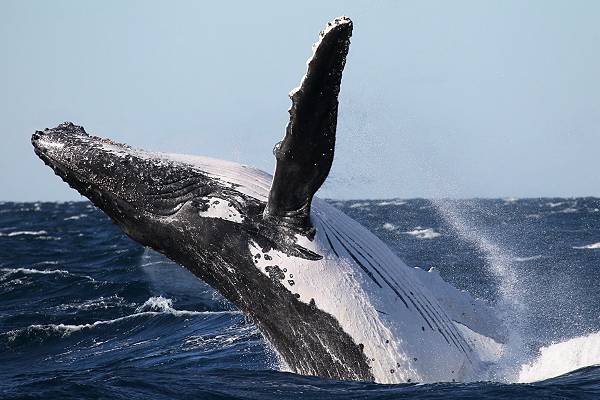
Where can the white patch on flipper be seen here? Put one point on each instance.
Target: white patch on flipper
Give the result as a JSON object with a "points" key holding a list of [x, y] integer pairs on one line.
{"points": [[222, 209]]}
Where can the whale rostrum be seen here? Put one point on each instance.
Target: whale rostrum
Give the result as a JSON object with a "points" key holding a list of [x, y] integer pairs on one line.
{"points": [[326, 293]]}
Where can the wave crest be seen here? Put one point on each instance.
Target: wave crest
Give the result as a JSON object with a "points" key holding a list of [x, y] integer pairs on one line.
{"points": [[156, 304], [561, 358], [152, 307], [23, 233]]}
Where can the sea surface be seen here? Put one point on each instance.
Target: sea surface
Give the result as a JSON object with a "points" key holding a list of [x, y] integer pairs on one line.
{"points": [[86, 312]]}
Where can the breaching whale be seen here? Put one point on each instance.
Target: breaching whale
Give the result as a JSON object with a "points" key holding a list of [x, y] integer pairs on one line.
{"points": [[329, 296]]}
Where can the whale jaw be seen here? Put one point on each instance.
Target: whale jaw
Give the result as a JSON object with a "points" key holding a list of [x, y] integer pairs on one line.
{"points": [[142, 192]]}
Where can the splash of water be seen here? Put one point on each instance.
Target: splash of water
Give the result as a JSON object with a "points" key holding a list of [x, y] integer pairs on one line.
{"points": [[560, 358], [499, 263]]}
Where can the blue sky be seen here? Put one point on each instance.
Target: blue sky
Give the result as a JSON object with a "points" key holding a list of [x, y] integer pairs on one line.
{"points": [[439, 98]]}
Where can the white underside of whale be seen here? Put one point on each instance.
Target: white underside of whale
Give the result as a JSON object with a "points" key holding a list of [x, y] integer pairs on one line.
{"points": [[414, 326]]}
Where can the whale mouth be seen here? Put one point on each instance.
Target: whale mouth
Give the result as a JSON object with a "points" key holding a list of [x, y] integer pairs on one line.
{"points": [[122, 181]]}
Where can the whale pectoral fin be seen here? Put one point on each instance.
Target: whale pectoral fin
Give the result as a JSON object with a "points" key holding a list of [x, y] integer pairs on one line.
{"points": [[305, 154]]}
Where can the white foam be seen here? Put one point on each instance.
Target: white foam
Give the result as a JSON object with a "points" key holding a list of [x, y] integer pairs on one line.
{"points": [[423, 233], [568, 210], [75, 217], [592, 246], [223, 340], [389, 227], [157, 305], [359, 205], [560, 358], [24, 233], [30, 271], [98, 303], [391, 203]]}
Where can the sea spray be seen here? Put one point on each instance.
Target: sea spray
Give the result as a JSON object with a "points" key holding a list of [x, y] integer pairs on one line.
{"points": [[499, 263]]}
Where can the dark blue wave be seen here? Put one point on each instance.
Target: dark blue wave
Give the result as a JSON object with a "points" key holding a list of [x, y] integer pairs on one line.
{"points": [[87, 313]]}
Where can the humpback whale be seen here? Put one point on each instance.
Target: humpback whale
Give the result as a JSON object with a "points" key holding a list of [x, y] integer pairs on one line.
{"points": [[329, 296]]}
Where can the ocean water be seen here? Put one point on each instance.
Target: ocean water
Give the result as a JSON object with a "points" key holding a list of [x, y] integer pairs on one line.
{"points": [[87, 313]]}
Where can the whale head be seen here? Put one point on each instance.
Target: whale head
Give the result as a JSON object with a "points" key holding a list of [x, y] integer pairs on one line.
{"points": [[171, 203], [153, 198]]}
